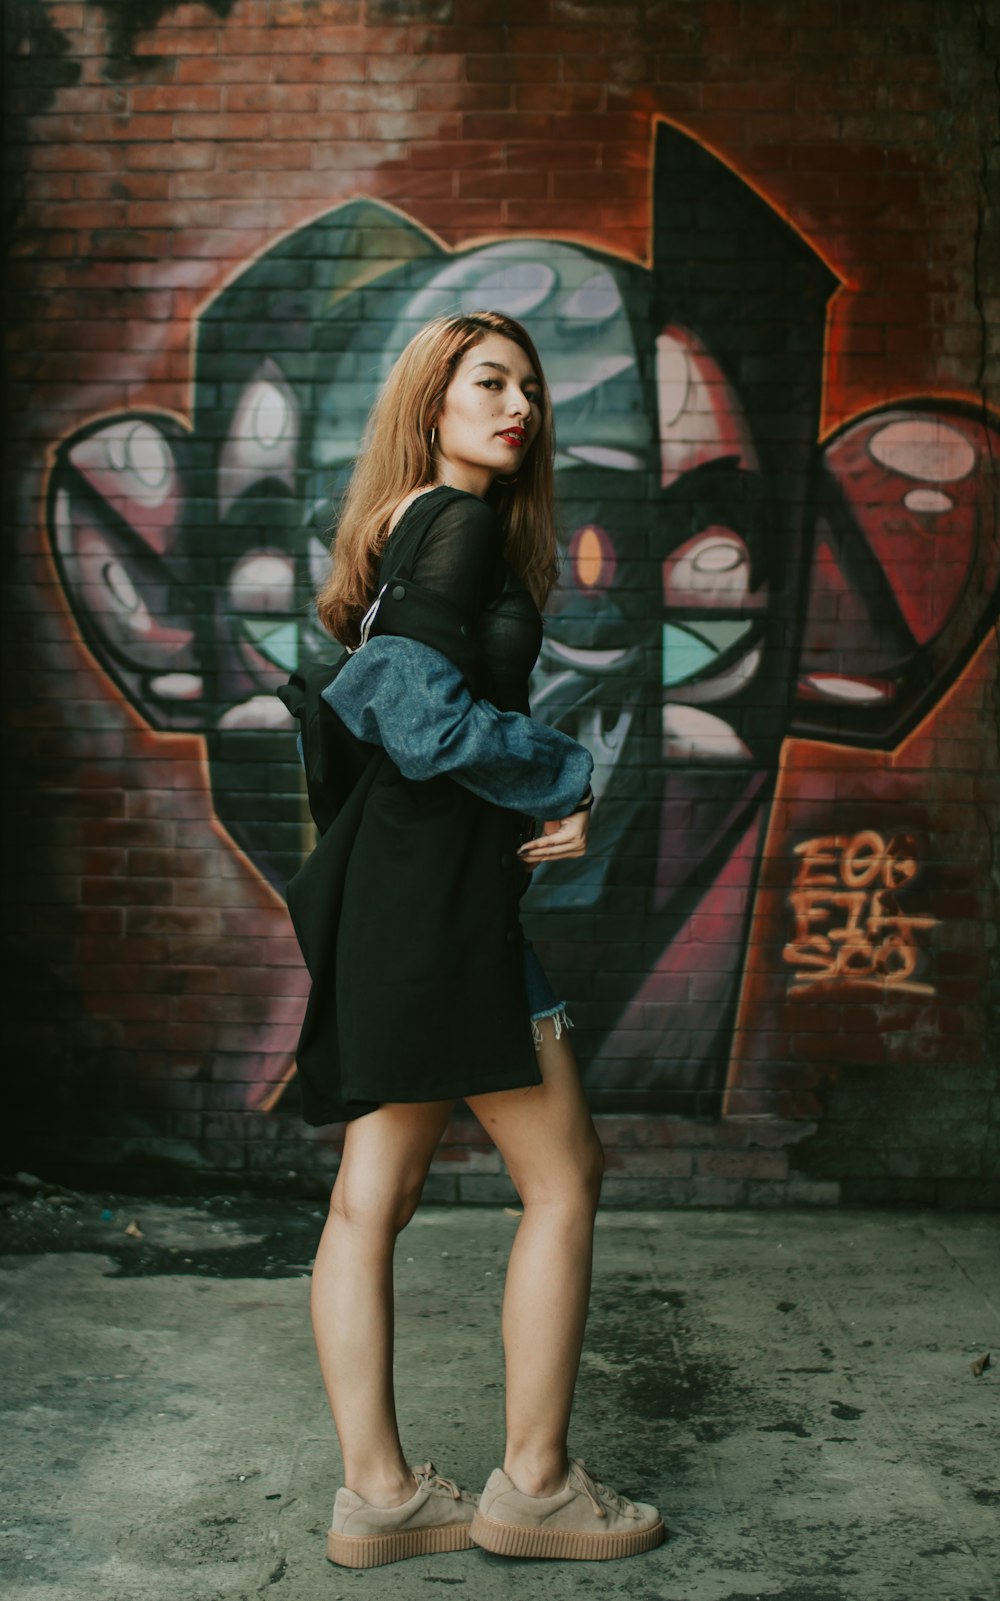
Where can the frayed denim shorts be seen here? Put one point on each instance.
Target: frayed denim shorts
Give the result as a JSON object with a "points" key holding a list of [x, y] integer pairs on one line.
{"points": [[541, 997]]}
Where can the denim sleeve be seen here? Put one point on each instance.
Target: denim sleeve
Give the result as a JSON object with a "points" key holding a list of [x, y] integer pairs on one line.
{"points": [[411, 700]]}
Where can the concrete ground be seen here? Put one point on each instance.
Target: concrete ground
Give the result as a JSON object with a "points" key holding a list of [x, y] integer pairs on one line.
{"points": [[793, 1389]]}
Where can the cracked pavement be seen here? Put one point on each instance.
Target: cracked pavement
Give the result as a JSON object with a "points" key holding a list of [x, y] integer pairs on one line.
{"points": [[793, 1389]]}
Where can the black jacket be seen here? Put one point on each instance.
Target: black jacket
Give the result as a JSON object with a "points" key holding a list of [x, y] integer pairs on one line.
{"points": [[407, 909]]}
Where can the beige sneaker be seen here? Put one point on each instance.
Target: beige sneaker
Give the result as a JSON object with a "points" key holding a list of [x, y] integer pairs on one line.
{"points": [[585, 1519], [435, 1518]]}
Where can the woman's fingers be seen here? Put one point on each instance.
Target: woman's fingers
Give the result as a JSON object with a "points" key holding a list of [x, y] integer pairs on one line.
{"points": [[553, 845], [559, 839], [556, 855]]}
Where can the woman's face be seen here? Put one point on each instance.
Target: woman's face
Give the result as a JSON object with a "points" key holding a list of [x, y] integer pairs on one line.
{"points": [[490, 415]]}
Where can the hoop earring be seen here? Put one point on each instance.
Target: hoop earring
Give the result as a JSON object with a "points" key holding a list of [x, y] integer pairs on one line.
{"points": [[499, 480], [432, 439]]}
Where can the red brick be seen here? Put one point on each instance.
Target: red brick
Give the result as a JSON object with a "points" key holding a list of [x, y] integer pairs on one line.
{"points": [[267, 157], [464, 97], [128, 185], [404, 188], [603, 186], [186, 157], [560, 97], [91, 214], [52, 186], [495, 68], [75, 158], [301, 185], [127, 244], [105, 951], [408, 68], [322, 69], [460, 41], [542, 214], [166, 41], [533, 154], [221, 125], [264, 97], [506, 125], [483, 154], [207, 184], [500, 185], [101, 129], [228, 69], [320, 126], [175, 97]]}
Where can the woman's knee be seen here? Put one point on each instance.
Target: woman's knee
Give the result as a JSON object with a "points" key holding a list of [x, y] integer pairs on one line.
{"points": [[386, 1157], [573, 1182], [377, 1208]]}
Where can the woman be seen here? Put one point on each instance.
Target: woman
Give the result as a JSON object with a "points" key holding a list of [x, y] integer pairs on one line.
{"points": [[444, 555]]}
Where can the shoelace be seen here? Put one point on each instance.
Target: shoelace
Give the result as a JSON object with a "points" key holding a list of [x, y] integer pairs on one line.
{"points": [[434, 1481], [596, 1492]]}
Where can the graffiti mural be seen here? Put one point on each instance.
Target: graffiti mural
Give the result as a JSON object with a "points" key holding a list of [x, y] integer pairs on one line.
{"points": [[729, 579]]}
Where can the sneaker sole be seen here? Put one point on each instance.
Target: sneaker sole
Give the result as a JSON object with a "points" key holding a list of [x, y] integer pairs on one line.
{"points": [[372, 1550], [521, 1540]]}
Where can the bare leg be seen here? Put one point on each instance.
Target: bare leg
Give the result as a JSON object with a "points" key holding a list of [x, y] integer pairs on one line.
{"points": [[385, 1161], [548, 1141]]}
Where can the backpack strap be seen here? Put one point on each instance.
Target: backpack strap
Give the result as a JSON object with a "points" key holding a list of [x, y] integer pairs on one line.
{"points": [[333, 758], [412, 611]]}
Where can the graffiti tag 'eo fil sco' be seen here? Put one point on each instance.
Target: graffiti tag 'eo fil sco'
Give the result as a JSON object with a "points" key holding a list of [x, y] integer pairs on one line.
{"points": [[728, 579], [848, 926]]}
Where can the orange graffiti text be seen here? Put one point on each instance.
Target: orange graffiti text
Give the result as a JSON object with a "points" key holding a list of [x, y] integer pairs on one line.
{"points": [[848, 926]]}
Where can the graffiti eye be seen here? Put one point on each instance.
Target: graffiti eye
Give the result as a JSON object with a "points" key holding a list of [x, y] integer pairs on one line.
{"points": [[701, 418], [928, 500], [132, 466], [142, 452], [515, 289], [712, 569], [721, 557], [674, 380], [263, 581], [595, 300], [270, 416], [593, 558], [121, 587], [923, 447], [262, 593], [262, 438]]}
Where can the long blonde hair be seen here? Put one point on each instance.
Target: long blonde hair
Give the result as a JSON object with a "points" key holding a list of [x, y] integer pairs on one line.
{"points": [[397, 459]]}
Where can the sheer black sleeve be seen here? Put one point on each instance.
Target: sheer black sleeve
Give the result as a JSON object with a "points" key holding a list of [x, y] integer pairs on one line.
{"points": [[460, 557]]}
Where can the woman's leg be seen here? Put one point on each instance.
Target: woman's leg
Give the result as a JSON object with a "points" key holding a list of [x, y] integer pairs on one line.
{"points": [[547, 1138], [382, 1171]]}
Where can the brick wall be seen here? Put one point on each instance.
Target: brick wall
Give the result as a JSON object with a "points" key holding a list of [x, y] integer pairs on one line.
{"points": [[758, 244]]}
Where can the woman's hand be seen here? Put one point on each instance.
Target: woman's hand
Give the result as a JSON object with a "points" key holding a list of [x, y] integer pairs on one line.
{"points": [[558, 840]]}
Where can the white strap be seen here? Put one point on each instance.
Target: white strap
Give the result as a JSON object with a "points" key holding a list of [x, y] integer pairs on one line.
{"points": [[367, 621]]}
